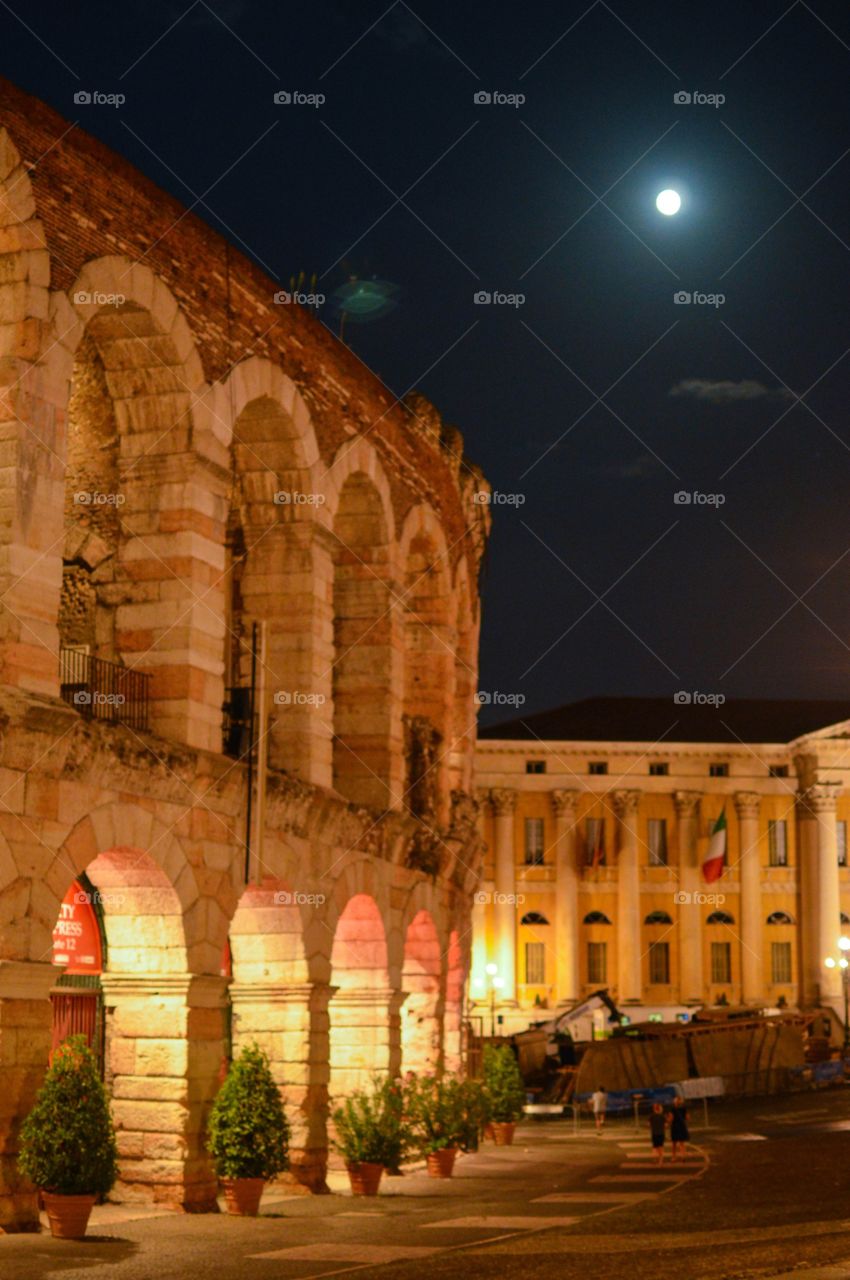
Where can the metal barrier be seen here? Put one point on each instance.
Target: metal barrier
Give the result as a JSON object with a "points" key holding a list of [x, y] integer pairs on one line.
{"points": [[102, 690]]}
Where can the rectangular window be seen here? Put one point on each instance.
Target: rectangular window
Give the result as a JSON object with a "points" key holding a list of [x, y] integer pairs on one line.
{"points": [[597, 962], [534, 842], [780, 961], [535, 766], [721, 962], [659, 770], [657, 840], [659, 962], [777, 843], [718, 771], [841, 838], [535, 963], [597, 766], [778, 771], [594, 838]]}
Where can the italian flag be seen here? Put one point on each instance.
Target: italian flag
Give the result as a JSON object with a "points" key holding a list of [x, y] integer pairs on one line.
{"points": [[715, 858]]}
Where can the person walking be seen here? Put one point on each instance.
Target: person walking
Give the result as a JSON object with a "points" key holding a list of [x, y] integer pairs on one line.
{"points": [[657, 1127], [679, 1134], [599, 1105]]}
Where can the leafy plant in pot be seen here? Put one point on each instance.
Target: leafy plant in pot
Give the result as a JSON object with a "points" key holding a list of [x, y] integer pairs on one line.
{"points": [[504, 1092], [67, 1145], [436, 1113], [370, 1134], [248, 1133]]}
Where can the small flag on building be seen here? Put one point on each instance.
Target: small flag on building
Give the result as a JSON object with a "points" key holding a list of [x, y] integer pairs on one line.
{"points": [[715, 858]]}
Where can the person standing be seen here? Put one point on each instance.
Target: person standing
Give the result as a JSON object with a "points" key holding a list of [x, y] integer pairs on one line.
{"points": [[599, 1105], [679, 1134], [657, 1127]]}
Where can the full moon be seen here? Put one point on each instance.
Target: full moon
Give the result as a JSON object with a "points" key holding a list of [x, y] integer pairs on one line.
{"points": [[668, 202]]}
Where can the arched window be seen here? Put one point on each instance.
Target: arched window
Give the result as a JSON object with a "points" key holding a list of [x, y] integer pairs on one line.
{"points": [[845, 919], [779, 917], [533, 917], [658, 917], [596, 917], [720, 917]]}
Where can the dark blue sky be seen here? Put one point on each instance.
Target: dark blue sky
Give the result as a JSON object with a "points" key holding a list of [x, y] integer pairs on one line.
{"points": [[503, 198]]}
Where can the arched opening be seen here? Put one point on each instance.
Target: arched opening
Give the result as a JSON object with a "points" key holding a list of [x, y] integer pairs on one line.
{"points": [[364, 1016], [366, 745], [422, 1013]]}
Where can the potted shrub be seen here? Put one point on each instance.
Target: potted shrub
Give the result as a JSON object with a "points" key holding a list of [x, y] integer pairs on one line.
{"points": [[474, 1105], [504, 1092], [67, 1143], [438, 1121], [369, 1135], [248, 1133]]}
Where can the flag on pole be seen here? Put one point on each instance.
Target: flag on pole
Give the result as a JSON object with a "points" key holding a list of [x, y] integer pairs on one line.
{"points": [[715, 857]]}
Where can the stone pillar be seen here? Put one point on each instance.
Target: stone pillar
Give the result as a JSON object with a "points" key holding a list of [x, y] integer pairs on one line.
{"points": [[629, 976], [568, 987], [365, 1037], [747, 807], [820, 801], [504, 801], [290, 1023], [811, 960], [164, 1043], [25, 1034], [691, 983]]}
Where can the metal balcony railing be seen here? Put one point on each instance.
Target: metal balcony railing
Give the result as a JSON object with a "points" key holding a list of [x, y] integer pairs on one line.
{"points": [[102, 690], [237, 723]]}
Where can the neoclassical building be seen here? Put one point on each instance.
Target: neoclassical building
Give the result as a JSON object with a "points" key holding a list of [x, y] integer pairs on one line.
{"points": [[238, 651], [597, 818]]}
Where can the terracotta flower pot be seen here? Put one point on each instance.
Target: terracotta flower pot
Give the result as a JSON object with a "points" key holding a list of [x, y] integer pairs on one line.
{"points": [[365, 1177], [488, 1131], [243, 1195], [441, 1163], [503, 1132], [68, 1215]]}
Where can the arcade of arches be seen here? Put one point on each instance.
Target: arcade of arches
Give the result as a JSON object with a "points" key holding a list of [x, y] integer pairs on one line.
{"points": [[183, 470]]}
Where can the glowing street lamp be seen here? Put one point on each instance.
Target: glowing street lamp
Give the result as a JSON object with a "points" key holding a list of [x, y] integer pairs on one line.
{"points": [[843, 964]]}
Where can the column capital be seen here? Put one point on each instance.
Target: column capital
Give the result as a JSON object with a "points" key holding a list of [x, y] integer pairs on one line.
{"points": [[626, 803], [503, 800], [686, 803], [564, 802], [820, 797], [747, 804]]}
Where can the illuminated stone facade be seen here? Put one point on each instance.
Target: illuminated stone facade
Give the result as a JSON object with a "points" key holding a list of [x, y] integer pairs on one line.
{"points": [[181, 458]]}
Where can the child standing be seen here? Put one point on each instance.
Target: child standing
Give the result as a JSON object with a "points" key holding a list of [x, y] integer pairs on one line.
{"points": [[599, 1104], [657, 1125]]}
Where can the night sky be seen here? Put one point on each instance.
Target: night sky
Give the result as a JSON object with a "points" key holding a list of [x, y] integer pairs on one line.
{"points": [[598, 398]]}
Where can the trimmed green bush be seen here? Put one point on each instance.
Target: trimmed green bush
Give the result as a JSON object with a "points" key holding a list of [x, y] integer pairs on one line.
{"points": [[503, 1088], [67, 1140], [248, 1133], [369, 1126], [475, 1114], [436, 1111]]}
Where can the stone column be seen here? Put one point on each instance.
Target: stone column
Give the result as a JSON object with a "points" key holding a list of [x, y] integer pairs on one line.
{"points": [[820, 800], [290, 1023], [25, 1035], [629, 976], [691, 984], [504, 897], [747, 807], [567, 989], [164, 1042], [811, 961], [365, 1037]]}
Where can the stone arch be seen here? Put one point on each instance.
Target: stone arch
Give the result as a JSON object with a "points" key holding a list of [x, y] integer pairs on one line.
{"points": [[457, 967], [423, 985], [366, 676], [123, 356]]}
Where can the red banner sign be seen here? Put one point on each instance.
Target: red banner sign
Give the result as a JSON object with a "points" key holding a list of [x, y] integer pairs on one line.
{"points": [[76, 938]]}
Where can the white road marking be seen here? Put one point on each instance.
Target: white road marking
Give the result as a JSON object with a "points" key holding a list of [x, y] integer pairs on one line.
{"points": [[349, 1252], [505, 1224], [594, 1197]]}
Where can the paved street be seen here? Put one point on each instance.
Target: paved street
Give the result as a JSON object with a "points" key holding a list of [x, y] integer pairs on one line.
{"points": [[763, 1192]]}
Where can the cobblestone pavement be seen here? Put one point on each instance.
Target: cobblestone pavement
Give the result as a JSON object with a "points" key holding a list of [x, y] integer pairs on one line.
{"points": [[763, 1192]]}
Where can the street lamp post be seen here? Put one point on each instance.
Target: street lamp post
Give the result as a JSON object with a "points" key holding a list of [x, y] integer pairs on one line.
{"points": [[843, 963], [496, 984]]}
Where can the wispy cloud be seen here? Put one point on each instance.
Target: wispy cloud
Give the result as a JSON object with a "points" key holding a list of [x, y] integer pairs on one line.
{"points": [[726, 391]]}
